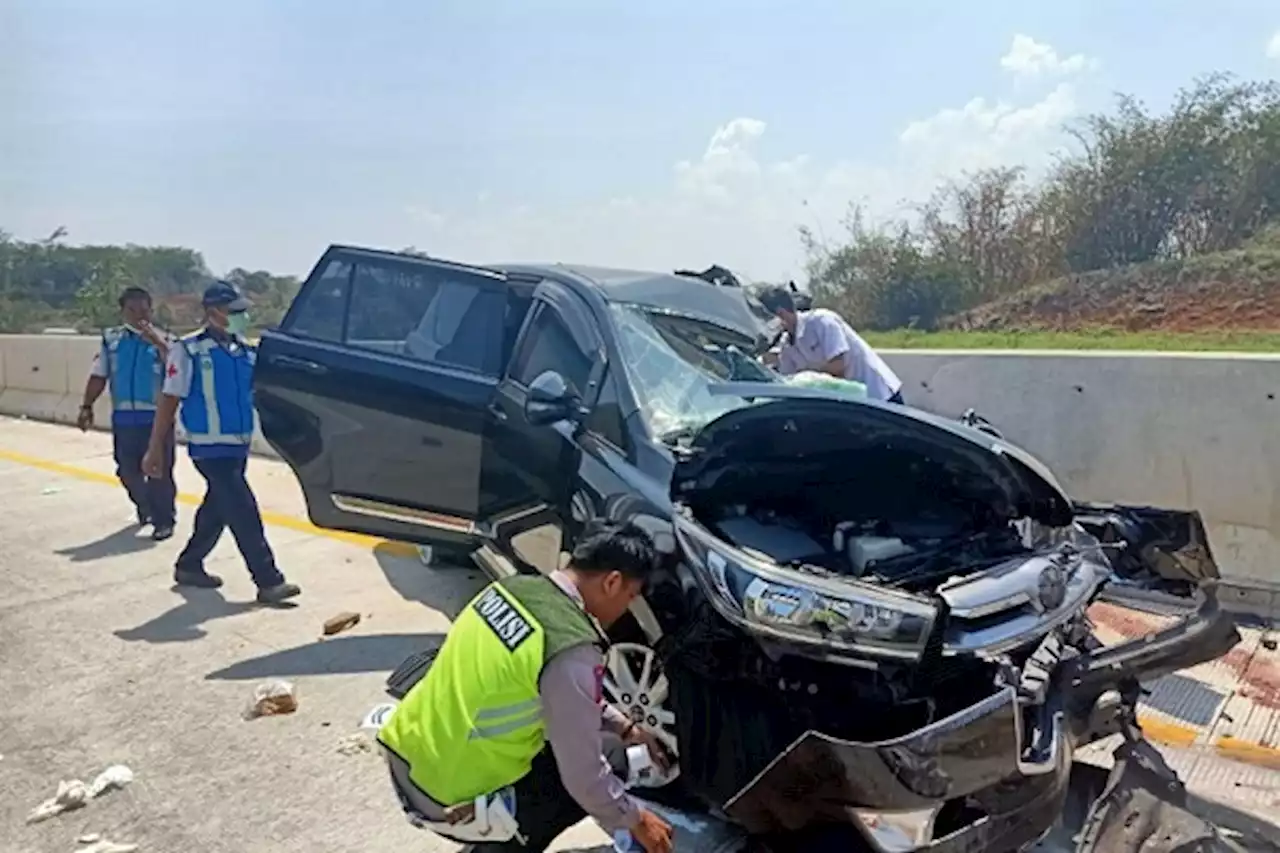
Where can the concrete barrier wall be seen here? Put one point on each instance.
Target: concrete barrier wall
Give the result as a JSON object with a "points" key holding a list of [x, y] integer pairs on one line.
{"points": [[1180, 431], [1184, 431], [43, 377]]}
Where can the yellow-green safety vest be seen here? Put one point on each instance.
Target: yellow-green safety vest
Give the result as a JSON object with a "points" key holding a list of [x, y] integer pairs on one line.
{"points": [[473, 724]]}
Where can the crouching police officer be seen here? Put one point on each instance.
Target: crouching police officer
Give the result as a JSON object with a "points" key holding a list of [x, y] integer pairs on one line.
{"points": [[131, 361], [210, 374], [522, 668]]}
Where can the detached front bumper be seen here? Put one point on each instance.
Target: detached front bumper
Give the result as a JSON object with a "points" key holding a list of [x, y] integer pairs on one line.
{"points": [[976, 754], [1008, 757]]}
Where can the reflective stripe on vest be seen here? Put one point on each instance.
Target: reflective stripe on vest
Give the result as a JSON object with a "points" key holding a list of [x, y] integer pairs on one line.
{"points": [[219, 408], [133, 370], [473, 724], [496, 722]]}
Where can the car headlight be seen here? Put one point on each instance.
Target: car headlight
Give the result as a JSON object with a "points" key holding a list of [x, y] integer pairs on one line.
{"points": [[788, 604]]}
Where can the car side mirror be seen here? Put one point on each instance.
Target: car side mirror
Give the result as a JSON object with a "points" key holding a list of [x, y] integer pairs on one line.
{"points": [[551, 400]]}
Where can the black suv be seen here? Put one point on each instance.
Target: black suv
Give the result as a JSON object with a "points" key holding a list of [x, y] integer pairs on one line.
{"points": [[865, 609]]}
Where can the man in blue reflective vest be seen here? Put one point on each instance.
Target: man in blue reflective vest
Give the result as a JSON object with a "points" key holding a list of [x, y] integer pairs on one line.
{"points": [[210, 375], [131, 362]]}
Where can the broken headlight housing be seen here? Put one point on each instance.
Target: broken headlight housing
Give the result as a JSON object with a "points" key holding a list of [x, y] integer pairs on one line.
{"points": [[816, 610]]}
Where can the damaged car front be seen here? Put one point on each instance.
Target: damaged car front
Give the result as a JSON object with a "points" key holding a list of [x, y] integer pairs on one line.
{"points": [[881, 612]]}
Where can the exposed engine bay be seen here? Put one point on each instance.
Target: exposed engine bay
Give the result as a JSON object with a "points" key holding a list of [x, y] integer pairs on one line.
{"points": [[863, 585]]}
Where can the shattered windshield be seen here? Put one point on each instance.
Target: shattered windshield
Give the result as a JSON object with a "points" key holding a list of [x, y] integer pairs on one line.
{"points": [[672, 360]]}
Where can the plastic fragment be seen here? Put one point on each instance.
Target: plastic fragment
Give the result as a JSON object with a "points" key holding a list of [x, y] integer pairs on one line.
{"points": [[102, 845], [271, 699], [89, 838], [72, 794], [114, 777]]}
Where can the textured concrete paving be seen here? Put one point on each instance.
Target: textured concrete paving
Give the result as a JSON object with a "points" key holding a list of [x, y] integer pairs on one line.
{"points": [[102, 662]]}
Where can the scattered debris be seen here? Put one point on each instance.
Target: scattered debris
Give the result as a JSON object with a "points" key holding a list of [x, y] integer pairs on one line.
{"points": [[355, 744], [89, 839], [73, 794], [50, 490], [114, 777], [341, 622], [272, 699], [102, 845], [1269, 643]]}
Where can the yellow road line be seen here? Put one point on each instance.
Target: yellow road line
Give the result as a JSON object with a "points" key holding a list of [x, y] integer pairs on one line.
{"points": [[277, 519], [1157, 729]]}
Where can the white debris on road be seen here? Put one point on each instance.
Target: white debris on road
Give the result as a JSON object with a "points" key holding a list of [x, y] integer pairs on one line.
{"points": [[73, 794], [272, 699], [105, 846], [355, 744], [115, 776]]}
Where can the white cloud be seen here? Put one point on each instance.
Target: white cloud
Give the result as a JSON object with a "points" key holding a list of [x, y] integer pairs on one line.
{"points": [[1273, 46], [734, 207], [1030, 58]]}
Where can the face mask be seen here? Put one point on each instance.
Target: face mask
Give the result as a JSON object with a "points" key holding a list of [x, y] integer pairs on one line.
{"points": [[238, 323]]}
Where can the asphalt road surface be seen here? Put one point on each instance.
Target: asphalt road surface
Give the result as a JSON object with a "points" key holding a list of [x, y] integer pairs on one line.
{"points": [[102, 662]]}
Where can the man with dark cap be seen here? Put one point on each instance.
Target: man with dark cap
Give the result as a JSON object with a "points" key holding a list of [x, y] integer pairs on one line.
{"points": [[131, 362], [210, 375]]}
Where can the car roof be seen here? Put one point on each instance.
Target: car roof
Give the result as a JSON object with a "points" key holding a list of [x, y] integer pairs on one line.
{"points": [[731, 307]]}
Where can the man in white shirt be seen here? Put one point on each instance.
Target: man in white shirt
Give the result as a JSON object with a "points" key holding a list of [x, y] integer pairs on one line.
{"points": [[822, 341]]}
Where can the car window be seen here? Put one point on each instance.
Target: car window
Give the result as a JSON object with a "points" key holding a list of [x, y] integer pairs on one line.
{"points": [[606, 416], [432, 314], [549, 345], [319, 311]]}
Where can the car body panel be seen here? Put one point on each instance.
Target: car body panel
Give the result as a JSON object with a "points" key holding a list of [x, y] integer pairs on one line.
{"points": [[366, 431], [1028, 487]]}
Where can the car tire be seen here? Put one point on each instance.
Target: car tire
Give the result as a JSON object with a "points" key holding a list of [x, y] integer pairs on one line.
{"points": [[635, 684]]}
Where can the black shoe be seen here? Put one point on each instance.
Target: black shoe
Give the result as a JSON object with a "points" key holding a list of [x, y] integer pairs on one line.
{"points": [[200, 580], [162, 532], [279, 593]]}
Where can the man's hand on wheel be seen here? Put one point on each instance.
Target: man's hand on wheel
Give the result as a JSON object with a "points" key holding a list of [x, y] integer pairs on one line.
{"points": [[653, 833], [657, 749]]}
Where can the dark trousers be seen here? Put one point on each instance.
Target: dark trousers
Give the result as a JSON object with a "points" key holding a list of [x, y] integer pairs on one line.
{"points": [[229, 502], [154, 497], [544, 809]]}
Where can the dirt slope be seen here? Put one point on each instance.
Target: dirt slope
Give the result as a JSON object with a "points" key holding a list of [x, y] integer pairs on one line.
{"points": [[1237, 290]]}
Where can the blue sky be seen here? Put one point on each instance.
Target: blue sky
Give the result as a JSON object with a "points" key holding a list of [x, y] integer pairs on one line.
{"points": [[657, 134]]}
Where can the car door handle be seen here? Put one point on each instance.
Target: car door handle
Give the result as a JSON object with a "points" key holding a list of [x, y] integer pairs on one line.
{"points": [[496, 411], [296, 363]]}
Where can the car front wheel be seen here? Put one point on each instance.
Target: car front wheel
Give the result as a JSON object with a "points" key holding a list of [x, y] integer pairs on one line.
{"points": [[635, 684]]}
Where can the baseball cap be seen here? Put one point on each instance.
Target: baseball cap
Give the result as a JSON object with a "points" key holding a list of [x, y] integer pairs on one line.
{"points": [[224, 294]]}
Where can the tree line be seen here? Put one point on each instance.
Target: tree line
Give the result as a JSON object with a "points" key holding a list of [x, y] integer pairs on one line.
{"points": [[48, 283], [1136, 187]]}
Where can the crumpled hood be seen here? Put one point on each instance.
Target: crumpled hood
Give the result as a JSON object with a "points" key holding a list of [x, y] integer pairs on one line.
{"points": [[1026, 485]]}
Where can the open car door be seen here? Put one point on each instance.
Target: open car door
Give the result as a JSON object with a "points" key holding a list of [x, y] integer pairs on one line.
{"points": [[375, 389]]}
